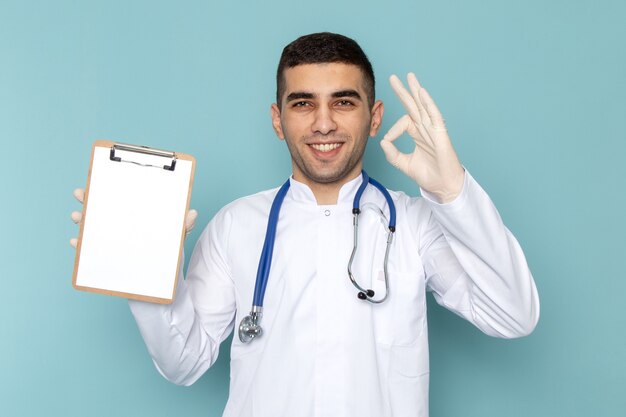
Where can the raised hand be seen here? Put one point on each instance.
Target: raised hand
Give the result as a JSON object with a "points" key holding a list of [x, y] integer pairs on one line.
{"points": [[433, 164]]}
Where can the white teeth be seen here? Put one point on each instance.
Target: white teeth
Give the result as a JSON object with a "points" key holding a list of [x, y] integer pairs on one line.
{"points": [[325, 147]]}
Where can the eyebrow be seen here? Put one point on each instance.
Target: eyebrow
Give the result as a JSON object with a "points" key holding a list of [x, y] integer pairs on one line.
{"points": [[347, 93], [299, 95]]}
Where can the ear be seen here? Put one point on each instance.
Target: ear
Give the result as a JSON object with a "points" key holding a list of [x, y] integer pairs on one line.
{"points": [[276, 124], [378, 109]]}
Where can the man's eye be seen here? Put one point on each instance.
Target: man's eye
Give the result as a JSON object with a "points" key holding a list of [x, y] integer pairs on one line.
{"points": [[345, 103], [301, 104]]}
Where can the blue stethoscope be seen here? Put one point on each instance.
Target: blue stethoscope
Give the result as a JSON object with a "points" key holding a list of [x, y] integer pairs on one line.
{"points": [[249, 328]]}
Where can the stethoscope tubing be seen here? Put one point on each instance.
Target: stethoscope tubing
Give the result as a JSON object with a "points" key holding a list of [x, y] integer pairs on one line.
{"points": [[357, 199], [249, 327], [265, 262]]}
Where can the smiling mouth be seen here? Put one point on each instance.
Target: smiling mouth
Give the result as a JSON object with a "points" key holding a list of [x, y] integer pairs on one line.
{"points": [[325, 147]]}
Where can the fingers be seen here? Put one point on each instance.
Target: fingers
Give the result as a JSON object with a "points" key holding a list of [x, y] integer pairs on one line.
{"points": [[79, 193], [433, 111], [393, 155], [416, 89], [405, 97], [398, 128], [423, 104], [190, 220], [77, 216], [405, 124]]}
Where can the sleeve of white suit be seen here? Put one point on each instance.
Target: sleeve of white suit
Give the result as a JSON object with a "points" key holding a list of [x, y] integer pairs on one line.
{"points": [[475, 266], [183, 338]]}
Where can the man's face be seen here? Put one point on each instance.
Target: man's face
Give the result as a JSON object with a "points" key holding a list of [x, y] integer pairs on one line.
{"points": [[326, 121]]}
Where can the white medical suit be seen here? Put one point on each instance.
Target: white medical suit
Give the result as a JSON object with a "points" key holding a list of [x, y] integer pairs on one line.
{"points": [[324, 352]]}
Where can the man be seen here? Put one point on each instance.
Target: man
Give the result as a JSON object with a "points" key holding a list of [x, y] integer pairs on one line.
{"points": [[323, 351]]}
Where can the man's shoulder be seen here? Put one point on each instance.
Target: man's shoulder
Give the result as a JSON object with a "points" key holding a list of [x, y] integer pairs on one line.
{"points": [[402, 199], [254, 203], [248, 212]]}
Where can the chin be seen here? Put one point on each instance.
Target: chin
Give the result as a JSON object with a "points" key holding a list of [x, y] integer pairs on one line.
{"points": [[330, 177]]}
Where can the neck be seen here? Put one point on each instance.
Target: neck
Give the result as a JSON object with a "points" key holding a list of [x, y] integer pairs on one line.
{"points": [[326, 193]]}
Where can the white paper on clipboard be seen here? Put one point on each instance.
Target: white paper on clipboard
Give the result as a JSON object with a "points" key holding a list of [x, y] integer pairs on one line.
{"points": [[133, 227]]}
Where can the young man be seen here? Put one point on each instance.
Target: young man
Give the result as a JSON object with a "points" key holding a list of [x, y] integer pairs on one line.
{"points": [[323, 351]]}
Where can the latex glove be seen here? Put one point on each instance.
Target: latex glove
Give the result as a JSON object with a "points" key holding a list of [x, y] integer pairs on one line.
{"points": [[433, 164], [77, 216]]}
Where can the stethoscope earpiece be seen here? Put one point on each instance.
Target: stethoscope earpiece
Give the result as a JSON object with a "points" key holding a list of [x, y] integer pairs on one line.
{"points": [[365, 295]]}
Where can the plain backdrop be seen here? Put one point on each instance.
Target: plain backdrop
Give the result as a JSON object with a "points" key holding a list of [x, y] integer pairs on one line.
{"points": [[533, 94]]}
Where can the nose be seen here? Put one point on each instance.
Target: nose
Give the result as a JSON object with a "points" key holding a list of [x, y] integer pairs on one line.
{"points": [[324, 122]]}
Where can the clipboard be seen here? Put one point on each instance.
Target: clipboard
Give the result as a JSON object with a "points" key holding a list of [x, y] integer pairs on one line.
{"points": [[133, 228]]}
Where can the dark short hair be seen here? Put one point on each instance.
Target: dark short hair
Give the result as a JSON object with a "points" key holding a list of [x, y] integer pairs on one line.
{"points": [[322, 48]]}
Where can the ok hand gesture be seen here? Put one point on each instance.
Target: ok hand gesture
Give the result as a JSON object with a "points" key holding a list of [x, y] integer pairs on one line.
{"points": [[433, 164]]}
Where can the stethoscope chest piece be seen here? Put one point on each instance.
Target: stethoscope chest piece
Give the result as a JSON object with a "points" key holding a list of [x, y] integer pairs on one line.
{"points": [[249, 328]]}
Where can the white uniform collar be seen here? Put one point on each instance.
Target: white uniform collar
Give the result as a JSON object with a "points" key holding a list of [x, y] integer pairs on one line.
{"points": [[301, 192]]}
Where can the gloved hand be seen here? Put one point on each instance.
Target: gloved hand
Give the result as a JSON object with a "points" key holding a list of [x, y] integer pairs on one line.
{"points": [[433, 164], [77, 216]]}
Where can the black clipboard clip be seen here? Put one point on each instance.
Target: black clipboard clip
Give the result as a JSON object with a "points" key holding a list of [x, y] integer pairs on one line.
{"points": [[144, 150]]}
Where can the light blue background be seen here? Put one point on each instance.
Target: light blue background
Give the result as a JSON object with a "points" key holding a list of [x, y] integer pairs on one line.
{"points": [[534, 95]]}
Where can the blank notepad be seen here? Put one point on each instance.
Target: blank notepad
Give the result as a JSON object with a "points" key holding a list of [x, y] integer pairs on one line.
{"points": [[133, 229]]}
